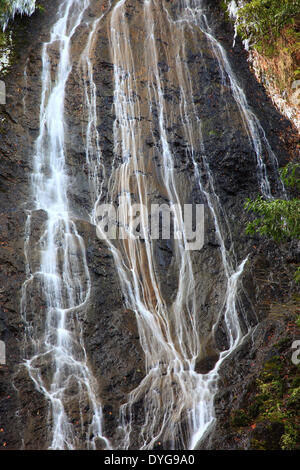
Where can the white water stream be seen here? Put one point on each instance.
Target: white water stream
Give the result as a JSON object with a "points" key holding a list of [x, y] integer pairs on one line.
{"points": [[176, 402], [62, 273]]}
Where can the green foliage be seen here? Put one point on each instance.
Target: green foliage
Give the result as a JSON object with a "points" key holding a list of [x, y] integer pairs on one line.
{"points": [[297, 278], [288, 440], [5, 9], [40, 8], [4, 6], [8, 8], [239, 418], [290, 175], [278, 218], [274, 407], [258, 445], [264, 19], [294, 399]]}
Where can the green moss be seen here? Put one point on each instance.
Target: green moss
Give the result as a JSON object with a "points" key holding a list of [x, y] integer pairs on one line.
{"points": [[264, 19], [40, 8], [265, 22], [272, 366], [4, 7], [239, 418], [297, 279], [257, 445], [289, 440], [294, 399], [254, 408], [296, 382], [6, 51], [274, 411], [224, 5], [283, 344], [268, 49], [279, 400]]}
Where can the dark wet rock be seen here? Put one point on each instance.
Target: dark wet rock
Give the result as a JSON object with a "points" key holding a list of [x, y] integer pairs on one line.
{"points": [[110, 332]]}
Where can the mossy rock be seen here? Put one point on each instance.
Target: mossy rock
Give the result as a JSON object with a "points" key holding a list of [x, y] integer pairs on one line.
{"points": [[290, 439], [239, 419], [257, 445], [268, 434], [283, 344], [272, 368], [294, 399]]}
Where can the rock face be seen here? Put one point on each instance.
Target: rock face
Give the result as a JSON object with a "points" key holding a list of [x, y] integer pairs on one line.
{"points": [[110, 331], [274, 57]]}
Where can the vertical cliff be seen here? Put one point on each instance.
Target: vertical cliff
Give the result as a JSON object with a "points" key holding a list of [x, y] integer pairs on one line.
{"points": [[270, 33], [203, 127]]}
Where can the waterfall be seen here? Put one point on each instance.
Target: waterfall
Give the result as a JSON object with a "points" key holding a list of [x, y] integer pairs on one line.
{"points": [[174, 401], [178, 402], [61, 273]]}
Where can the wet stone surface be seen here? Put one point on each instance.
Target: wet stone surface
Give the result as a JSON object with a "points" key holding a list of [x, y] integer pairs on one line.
{"points": [[110, 331]]}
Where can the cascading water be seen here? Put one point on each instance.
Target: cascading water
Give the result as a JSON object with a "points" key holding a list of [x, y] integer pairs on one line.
{"points": [[96, 169], [174, 401], [61, 272], [178, 402]]}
